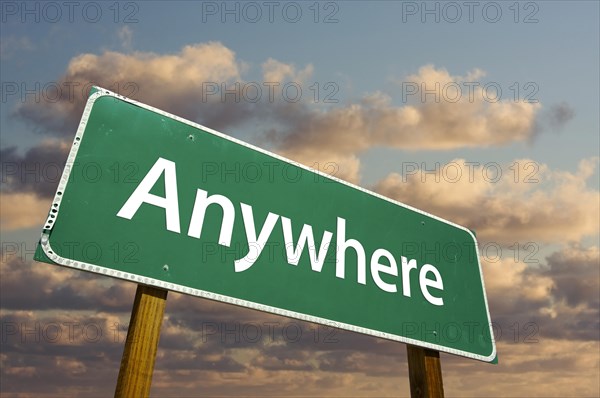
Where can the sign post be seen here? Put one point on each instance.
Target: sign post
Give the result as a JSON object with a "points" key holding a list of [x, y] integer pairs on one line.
{"points": [[173, 205], [139, 353], [424, 372]]}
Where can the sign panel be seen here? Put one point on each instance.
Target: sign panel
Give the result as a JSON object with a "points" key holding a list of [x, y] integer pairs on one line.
{"points": [[155, 199]]}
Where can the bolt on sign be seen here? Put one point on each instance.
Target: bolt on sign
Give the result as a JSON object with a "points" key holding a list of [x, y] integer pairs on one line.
{"points": [[152, 198]]}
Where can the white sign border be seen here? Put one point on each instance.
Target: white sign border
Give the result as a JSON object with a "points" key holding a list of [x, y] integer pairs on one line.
{"points": [[55, 207]]}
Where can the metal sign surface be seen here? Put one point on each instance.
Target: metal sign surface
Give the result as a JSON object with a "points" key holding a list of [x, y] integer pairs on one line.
{"points": [[155, 199]]}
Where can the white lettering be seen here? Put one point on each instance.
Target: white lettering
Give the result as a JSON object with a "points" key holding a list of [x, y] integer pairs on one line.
{"points": [[437, 283], [406, 267], [142, 194], [342, 245], [197, 220], [254, 243], [377, 267], [257, 242], [306, 236]]}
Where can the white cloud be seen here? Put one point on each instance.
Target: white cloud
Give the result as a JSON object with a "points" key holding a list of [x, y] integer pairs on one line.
{"points": [[125, 35], [11, 45], [276, 71]]}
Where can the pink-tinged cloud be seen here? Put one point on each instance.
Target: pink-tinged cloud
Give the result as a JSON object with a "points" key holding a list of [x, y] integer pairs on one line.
{"points": [[182, 83], [541, 205], [340, 133], [172, 82], [22, 210]]}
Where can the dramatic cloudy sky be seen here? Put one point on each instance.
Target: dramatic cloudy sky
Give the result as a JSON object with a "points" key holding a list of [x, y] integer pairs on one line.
{"points": [[483, 113]]}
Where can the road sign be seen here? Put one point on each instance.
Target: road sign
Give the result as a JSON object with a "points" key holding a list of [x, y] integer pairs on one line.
{"points": [[152, 198]]}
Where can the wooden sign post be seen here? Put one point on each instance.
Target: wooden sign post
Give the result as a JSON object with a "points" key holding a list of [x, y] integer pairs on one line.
{"points": [[137, 363], [424, 372]]}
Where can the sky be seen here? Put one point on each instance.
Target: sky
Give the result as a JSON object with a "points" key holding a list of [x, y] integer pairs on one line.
{"points": [[483, 113]]}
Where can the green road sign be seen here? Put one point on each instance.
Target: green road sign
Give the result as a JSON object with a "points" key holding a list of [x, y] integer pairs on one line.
{"points": [[155, 199]]}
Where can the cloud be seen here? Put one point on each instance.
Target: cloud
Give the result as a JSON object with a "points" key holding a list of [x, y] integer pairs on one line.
{"points": [[514, 288], [202, 82], [52, 287], [78, 321], [125, 35], [172, 82], [375, 121], [37, 171], [557, 116], [276, 71], [35, 344], [576, 274], [541, 205], [557, 299], [338, 134], [21, 210], [12, 45], [227, 360], [548, 368]]}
